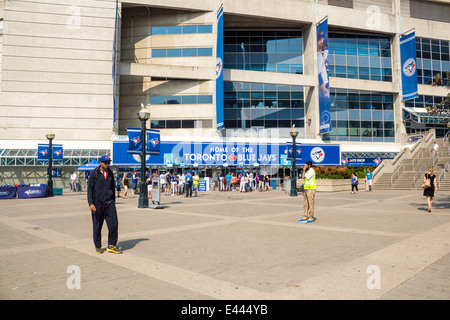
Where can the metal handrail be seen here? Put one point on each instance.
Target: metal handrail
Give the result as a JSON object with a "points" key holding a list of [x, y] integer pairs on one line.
{"points": [[443, 174], [397, 157], [416, 158], [397, 171], [418, 172]]}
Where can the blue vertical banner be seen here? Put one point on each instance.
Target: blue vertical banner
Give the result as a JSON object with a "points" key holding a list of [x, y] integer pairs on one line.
{"points": [[43, 152], [134, 140], [114, 66], [324, 86], [153, 141], [219, 70], [409, 66]]}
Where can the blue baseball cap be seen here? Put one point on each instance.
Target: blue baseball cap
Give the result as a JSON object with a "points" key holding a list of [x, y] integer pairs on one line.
{"points": [[105, 158]]}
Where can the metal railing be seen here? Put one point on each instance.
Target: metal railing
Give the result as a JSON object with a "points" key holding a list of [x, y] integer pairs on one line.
{"points": [[416, 159], [443, 174], [396, 172], [418, 172]]}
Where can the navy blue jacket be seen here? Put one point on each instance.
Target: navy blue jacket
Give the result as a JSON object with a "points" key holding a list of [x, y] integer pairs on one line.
{"points": [[104, 189]]}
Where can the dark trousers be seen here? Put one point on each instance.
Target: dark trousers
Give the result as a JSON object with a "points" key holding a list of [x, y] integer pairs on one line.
{"points": [[188, 190], [104, 212]]}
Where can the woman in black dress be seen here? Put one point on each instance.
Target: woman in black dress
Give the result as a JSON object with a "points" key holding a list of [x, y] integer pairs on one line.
{"points": [[429, 192]]}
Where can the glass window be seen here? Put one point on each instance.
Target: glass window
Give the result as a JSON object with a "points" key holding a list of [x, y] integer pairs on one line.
{"points": [[174, 100], [172, 53], [205, 29], [159, 53], [204, 52], [158, 124], [173, 124], [189, 29], [204, 99], [157, 100], [159, 30], [174, 30], [188, 124], [359, 51], [189, 99]]}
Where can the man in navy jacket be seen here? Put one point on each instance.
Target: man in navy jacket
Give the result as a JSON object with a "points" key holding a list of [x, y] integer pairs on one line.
{"points": [[101, 199]]}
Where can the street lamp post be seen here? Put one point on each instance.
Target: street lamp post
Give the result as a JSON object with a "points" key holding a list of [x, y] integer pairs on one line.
{"points": [[143, 116], [50, 137], [294, 134]]}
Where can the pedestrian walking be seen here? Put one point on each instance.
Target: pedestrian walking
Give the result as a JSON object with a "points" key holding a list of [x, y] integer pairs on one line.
{"points": [[430, 187], [188, 184], [355, 183], [435, 149], [195, 180], [125, 185], [134, 179], [309, 193], [369, 179], [101, 200], [73, 181], [118, 186]]}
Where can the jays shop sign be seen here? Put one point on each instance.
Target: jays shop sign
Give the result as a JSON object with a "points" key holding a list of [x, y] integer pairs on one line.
{"points": [[226, 154]]}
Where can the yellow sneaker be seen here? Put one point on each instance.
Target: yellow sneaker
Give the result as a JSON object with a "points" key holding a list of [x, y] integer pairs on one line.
{"points": [[113, 249]]}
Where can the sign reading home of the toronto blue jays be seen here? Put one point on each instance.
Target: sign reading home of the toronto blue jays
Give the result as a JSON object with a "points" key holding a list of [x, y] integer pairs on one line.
{"points": [[409, 66], [43, 152], [227, 154]]}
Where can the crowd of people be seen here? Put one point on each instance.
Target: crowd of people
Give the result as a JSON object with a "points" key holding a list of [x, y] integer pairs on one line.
{"points": [[246, 181], [173, 183]]}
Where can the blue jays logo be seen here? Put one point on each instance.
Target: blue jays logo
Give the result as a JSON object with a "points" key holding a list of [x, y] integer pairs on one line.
{"points": [[58, 153], [344, 161], [28, 192], [136, 140], [44, 152], [218, 67], [154, 141], [409, 67], [377, 160], [317, 154]]}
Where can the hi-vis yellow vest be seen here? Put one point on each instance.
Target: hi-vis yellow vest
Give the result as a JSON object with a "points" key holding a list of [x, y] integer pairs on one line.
{"points": [[310, 184]]}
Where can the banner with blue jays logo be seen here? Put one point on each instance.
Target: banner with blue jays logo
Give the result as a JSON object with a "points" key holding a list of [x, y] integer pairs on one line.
{"points": [[409, 66], [134, 140], [43, 152], [153, 141], [324, 82], [290, 149], [219, 70]]}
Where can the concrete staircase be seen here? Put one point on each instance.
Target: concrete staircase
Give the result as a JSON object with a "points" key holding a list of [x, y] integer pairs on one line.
{"points": [[408, 174]]}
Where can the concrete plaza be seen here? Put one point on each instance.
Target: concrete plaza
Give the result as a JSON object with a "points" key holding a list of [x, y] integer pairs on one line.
{"points": [[230, 245]]}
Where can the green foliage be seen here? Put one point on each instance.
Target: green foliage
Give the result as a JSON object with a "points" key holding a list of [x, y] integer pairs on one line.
{"points": [[343, 172]]}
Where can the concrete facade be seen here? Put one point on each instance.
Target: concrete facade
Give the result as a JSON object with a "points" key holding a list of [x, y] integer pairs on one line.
{"points": [[56, 62]]}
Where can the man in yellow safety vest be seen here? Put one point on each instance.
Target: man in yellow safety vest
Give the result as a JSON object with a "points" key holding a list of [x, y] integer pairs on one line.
{"points": [[309, 176]]}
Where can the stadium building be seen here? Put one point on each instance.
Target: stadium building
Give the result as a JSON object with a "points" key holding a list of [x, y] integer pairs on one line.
{"points": [[82, 69]]}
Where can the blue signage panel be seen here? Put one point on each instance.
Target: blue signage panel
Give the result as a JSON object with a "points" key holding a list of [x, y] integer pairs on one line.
{"points": [[43, 152], [135, 141], [362, 161], [219, 70], [409, 66], [324, 84], [226, 154]]}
